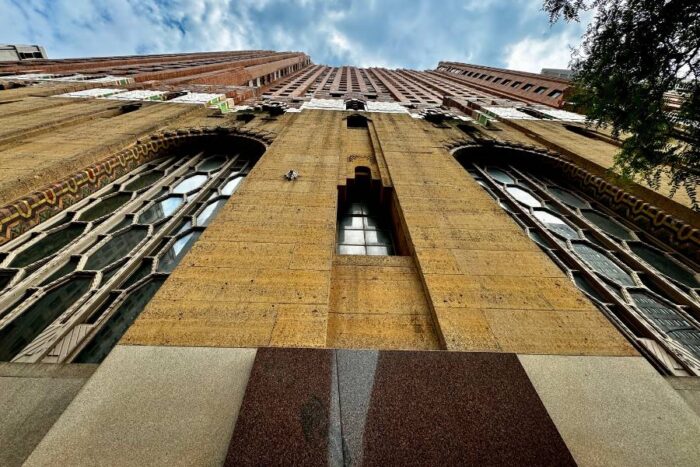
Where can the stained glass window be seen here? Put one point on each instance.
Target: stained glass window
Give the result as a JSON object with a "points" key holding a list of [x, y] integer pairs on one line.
{"points": [[72, 285], [651, 292]]}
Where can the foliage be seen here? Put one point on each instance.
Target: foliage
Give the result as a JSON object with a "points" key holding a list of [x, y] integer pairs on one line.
{"points": [[633, 53]]}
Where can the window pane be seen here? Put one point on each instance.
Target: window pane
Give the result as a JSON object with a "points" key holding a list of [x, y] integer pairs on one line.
{"points": [[351, 250], [606, 224], [556, 224], [211, 163], [665, 265], [118, 323], [352, 222], [500, 176], [116, 248], [376, 250], [48, 245], [568, 198], [32, 321], [209, 211], [231, 186], [142, 181], [602, 264], [118, 238], [525, 197], [190, 183], [377, 237], [353, 237], [161, 210], [106, 206], [172, 257]]}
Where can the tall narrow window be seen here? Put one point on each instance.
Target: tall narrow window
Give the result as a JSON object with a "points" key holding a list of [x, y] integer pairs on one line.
{"points": [[74, 284], [650, 292], [365, 224]]}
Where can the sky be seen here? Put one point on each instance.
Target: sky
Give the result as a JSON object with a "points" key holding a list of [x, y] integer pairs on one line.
{"points": [[415, 34]]}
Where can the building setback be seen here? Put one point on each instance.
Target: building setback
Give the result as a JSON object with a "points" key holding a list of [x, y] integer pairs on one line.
{"points": [[246, 258]]}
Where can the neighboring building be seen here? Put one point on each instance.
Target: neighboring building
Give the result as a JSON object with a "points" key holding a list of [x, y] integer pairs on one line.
{"points": [[246, 258], [531, 87], [558, 73], [18, 53]]}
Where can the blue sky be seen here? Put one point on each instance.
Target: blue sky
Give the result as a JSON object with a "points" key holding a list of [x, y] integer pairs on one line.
{"points": [[391, 33]]}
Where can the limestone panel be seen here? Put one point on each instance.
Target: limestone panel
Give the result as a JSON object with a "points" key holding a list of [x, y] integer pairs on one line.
{"points": [[489, 286], [378, 302], [260, 274]]}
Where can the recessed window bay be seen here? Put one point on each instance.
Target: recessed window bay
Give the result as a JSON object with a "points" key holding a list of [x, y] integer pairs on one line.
{"points": [[89, 274]]}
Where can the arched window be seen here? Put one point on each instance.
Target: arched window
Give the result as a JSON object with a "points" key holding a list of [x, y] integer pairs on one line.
{"points": [[648, 290], [354, 104], [72, 285]]}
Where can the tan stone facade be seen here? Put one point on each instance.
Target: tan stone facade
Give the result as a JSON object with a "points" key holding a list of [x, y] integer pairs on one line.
{"points": [[469, 277], [265, 272]]}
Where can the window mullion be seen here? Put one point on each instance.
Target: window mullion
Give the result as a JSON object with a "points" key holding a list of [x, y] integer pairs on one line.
{"points": [[96, 297], [647, 326]]}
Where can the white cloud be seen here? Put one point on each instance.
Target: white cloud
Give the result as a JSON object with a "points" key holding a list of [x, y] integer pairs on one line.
{"points": [[533, 54], [388, 33]]}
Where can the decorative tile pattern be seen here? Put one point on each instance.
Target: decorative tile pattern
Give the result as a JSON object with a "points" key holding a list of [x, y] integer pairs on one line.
{"points": [[24, 213], [678, 234]]}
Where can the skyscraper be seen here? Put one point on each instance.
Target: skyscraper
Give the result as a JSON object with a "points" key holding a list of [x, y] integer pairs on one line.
{"points": [[247, 258]]}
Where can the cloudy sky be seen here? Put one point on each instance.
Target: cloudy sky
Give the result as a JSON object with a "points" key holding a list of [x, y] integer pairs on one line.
{"points": [[391, 33]]}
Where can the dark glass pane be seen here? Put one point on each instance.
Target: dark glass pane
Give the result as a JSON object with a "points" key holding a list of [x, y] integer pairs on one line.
{"points": [[538, 238], [556, 224], [105, 206], [62, 271], [27, 326], [142, 271], [6, 278], [669, 320], [190, 183], [567, 198], [160, 210], [211, 163], [107, 275], [608, 225], [172, 257], [144, 180], [356, 209], [524, 197], [126, 221], [665, 265], [583, 284], [207, 213], [116, 248], [118, 323], [603, 265], [500, 176], [48, 245]]}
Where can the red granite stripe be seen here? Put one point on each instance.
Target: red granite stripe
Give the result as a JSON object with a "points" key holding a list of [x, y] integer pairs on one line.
{"points": [[445, 408], [285, 412]]}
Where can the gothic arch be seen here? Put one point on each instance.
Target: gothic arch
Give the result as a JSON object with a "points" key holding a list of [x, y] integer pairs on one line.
{"points": [[71, 285], [24, 213], [676, 232], [634, 261]]}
